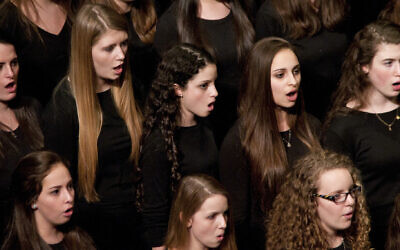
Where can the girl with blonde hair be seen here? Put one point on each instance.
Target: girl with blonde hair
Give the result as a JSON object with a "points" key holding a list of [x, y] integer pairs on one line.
{"points": [[320, 206], [200, 217], [93, 121]]}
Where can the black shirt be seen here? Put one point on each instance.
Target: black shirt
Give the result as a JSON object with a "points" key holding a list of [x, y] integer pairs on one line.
{"points": [[197, 154]]}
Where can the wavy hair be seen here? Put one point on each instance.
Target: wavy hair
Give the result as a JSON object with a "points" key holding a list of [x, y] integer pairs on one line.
{"points": [[192, 192], [143, 14], [293, 221], [354, 81], [189, 28], [162, 111], [92, 21], [26, 188], [391, 12], [260, 137], [301, 18], [393, 237]]}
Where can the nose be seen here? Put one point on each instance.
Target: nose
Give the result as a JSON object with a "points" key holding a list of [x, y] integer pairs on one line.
{"points": [[397, 72], [69, 196], [222, 221], [214, 92], [292, 80], [10, 71], [350, 200], [120, 53]]}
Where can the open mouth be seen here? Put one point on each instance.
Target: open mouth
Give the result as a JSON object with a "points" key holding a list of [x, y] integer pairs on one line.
{"points": [[118, 69], [349, 215], [11, 87], [68, 212], [292, 95], [211, 106], [396, 86]]}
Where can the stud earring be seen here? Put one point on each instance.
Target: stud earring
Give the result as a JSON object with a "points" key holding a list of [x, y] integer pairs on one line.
{"points": [[34, 206]]}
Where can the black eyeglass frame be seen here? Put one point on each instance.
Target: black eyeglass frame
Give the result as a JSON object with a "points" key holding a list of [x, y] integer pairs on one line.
{"points": [[353, 191]]}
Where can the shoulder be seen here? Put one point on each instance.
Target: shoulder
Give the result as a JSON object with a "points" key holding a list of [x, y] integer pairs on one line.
{"points": [[232, 141], [62, 103], [154, 141]]}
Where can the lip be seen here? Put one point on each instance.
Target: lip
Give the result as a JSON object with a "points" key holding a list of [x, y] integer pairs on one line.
{"points": [[396, 86], [68, 212], [11, 87], [292, 95], [348, 215], [220, 237], [211, 106], [118, 69]]}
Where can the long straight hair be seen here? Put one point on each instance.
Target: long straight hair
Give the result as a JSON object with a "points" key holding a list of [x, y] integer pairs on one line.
{"points": [[193, 191], [26, 187], [189, 28], [92, 21], [143, 14], [260, 137], [301, 18]]}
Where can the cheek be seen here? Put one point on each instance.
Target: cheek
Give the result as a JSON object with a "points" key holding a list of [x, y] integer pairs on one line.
{"points": [[379, 77]]}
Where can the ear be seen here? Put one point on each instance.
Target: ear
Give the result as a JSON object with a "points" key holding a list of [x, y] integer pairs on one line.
{"points": [[365, 68], [178, 90]]}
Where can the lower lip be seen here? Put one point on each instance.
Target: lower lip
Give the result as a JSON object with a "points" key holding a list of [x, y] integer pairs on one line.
{"points": [[220, 238], [12, 88], [396, 87], [69, 213], [292, 98], [211, 107], [118, 70], [348, 216]]}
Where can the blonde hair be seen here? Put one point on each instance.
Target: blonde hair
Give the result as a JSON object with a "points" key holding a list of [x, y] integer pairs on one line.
{"points": [[92, 21], [293, 221], [192, 192]]}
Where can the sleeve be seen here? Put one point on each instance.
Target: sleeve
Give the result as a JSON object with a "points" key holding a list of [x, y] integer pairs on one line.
{"points": [[166, 34], [234, 175], [60, 127], [157, 191], [268, 22]]}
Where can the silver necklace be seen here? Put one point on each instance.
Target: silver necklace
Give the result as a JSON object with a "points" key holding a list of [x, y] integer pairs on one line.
{"points": [[287, 141]]}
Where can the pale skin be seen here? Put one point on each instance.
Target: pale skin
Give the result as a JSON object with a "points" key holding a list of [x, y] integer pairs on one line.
{"points": [[212, 9], [50, 16]]}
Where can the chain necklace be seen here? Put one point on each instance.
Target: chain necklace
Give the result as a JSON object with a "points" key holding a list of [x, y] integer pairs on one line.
{"points": [[389, 125], [287, 141]]}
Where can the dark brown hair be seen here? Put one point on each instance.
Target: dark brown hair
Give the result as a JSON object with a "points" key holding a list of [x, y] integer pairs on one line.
{"points": [[260, 137], [393, 236], [26, 187], [193, 191], [293, 221], [301, 18], [391, 12]]}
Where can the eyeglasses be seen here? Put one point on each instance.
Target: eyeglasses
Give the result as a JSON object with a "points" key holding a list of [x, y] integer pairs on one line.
{"points": [[341, 197]]}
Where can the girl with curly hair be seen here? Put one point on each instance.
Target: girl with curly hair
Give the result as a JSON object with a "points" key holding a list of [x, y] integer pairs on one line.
{"points": [[43, 195], [93, 121], [363, 122], [315, 28], [200, 217], [176, 141], [272, 132], [320, 206]]}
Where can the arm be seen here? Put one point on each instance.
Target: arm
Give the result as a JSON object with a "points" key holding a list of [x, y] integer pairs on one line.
{"points": [[156, 171], [234, 175]]}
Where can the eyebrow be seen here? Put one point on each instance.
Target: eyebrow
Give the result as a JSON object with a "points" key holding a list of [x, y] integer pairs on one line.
{"points": [[55, 187]]}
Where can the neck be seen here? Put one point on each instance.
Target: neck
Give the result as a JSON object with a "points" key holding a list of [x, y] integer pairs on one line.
{"points": [[377, 103], [195, 245], [187, 120], [334, 240], [282, 119], [102, 85], [48, 232], [4, 107]]}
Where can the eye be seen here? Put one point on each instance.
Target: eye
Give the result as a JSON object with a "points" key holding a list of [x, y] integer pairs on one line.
{"points": [[388, 63], [279, 75], [55, 192], [204, 85], [109, 48], [296, 71], [1, 66], [124, 44], [211, 216], [14, 63], [70, 186]]}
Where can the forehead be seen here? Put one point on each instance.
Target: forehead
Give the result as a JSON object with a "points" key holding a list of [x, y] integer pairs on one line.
{"points": [[58, 175], [285, 58], [215, 202], [338, 179], [110, 37], [7, 52], [387, 51]]}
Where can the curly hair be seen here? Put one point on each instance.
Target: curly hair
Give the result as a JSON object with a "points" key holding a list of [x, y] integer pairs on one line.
{"points": [[193, 191], [393, 239], [162, 110], [293, 222], [354, 81]]}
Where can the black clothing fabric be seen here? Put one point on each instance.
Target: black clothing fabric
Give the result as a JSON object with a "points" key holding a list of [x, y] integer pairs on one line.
{"points": [[375, 151], [43, 63], [220, 36], [234, 174], [16, 145], [320, 58], [197, 154], [115, 176], [143, 60]]}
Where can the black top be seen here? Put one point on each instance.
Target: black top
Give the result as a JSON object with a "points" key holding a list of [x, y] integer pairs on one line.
{"points": [[197, 154], [42, 63], [375, 151], [235, 176], [221, 37], [320, 57], [115, 172]]}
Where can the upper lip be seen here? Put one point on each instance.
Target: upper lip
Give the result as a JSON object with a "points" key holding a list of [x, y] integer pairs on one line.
{"points": [[350, 212], [291, 91], [118, 65]]}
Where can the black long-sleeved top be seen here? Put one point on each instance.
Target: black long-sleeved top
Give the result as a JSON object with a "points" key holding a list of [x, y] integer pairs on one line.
{"points": [[375, 151], [42, 63], [197, 154], [320, 57], [235, 176], [220, 36]]}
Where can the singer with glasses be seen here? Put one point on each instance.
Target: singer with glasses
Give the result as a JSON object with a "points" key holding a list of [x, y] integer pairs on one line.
{"points": [[321, 206]]}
